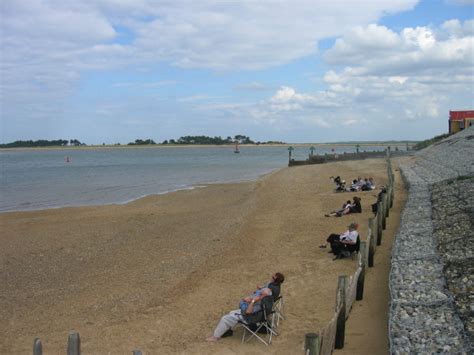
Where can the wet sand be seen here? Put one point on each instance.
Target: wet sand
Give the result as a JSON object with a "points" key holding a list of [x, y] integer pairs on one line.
{"points": [[158, 273]]}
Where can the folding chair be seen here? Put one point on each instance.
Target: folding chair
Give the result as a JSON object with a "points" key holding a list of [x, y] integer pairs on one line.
{"points": [[277, 303], [351, 250], [261, 321], [278, 310]]}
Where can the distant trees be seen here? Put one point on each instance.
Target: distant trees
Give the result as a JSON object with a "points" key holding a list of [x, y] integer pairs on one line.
{"points": [[189, 140], [41, 143], [210, 140], [74, 142], [142, 142]]}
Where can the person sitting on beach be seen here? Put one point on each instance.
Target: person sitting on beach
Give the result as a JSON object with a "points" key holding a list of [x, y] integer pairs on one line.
{"points": [[344, 241], [248, 305], [355, 206], [342, 211], [368, 185]]}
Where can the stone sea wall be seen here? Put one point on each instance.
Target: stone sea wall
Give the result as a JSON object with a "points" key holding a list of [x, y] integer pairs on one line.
{"points": [[432, 274]]}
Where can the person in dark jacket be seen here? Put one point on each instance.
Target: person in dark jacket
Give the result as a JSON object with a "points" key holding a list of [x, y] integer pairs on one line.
{"points": [[356, 207]]}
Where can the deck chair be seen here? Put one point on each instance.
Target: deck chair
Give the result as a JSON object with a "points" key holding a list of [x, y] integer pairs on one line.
{"points": [[349, 250], [277, 303], [352, 250], [260, 324], [278, 311]]}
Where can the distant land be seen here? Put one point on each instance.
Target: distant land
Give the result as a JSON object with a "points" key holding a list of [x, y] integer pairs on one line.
{"points": [[185, 141]]}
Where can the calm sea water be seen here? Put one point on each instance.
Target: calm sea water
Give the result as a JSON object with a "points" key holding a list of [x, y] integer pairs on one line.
{"points": [[41, 179]]}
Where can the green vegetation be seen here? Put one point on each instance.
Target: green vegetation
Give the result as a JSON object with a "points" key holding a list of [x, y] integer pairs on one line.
{"points": [[42, 143], [186, 140], [142, 142], [428, 142], [210, 140]]}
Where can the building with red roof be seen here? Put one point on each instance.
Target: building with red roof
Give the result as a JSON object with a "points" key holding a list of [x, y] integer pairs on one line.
{"points": [[458, 120]]}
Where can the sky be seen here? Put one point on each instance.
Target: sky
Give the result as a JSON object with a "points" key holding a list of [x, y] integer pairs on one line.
{"points": [[299, 71]]}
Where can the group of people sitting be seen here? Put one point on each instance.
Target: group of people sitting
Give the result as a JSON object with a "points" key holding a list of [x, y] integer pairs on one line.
{"points": [[249, 308], [358, 184], [344, 244], [347, 208]]}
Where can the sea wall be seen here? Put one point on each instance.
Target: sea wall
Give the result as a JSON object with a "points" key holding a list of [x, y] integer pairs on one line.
{"points": [[432, 278]]}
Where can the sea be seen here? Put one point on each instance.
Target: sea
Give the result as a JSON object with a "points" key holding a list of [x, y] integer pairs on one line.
{"points": [[53, 178]]}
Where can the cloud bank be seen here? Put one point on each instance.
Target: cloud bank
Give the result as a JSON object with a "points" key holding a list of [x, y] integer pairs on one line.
{"points": [[377, 75]]}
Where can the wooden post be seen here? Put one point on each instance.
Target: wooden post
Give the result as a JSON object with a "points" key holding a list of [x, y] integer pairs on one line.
{"points": [[341, 317], [372, 236], [387, 202], [311, 344], [363, 262], [379, 222], [383, 211], [37, 347], [73, 343], [392, 192]]}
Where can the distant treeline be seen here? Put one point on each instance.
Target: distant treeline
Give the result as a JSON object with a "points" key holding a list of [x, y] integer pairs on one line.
{"points": [[197, 140], [210, 140], [42, 143], [205, 140]]}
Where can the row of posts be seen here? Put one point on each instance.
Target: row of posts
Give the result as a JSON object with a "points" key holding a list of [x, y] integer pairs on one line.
{"points": [[312, 149], [73, 345], [313, 344]]}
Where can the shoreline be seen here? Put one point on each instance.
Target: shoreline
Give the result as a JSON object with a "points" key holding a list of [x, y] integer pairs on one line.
{"points": [[185, 188]]}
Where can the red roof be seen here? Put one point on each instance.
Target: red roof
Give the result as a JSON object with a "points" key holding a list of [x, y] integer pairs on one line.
{"points": [[460, 115]]}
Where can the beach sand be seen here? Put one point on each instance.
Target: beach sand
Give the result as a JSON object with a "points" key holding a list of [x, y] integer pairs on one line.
{"points": [[158, 273]]}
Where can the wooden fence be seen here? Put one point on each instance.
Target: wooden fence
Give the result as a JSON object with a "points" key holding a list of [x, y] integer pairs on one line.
{"points": [[334, 157], [351, 289]]}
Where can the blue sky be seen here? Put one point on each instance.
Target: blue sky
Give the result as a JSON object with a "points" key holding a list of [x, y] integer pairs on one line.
{"points": [[112, 71]]}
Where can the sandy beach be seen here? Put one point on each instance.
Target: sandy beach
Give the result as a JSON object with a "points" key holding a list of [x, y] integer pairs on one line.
{"points": [[158, 273]]}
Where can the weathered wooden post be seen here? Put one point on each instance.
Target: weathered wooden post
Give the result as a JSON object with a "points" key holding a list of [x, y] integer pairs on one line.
{"points": [[387, 202], [392, 193], [382, 211], [341, 317], [311, 344], [379, 221], [363, 262], [37, 347], [372, 236], [290, 149], [73, 343]]}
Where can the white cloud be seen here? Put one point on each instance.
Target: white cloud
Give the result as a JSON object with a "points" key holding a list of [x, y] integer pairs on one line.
{"points": [[422, 50], [389, 79]]}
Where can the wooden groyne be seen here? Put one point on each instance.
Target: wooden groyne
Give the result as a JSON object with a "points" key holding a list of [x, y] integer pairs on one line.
{"points": [[333, 157]]}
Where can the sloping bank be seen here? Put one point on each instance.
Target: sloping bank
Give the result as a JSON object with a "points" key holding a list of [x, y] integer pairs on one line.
{"points": [[432, 273]]}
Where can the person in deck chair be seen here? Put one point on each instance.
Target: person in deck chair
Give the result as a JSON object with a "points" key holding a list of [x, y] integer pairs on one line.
{"points": [[339, 242], [248, 305]]}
